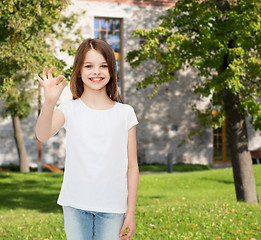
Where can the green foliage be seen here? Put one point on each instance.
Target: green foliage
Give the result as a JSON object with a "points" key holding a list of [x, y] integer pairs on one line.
{"points": [[223, 45], [17, 95], [194, 205], [30, 30]]}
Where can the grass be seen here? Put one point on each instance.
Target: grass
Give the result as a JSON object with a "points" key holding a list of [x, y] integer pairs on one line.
{"points": [[179, 167], [191, 205]]}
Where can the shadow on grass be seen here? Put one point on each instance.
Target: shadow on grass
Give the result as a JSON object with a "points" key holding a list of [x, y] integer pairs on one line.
{"points": [[218, 180], [30, 191], [155, 197], [178, 167]]}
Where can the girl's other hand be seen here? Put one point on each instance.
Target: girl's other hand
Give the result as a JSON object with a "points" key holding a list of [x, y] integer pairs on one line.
{"points": [[129, 225], [52, 86]]}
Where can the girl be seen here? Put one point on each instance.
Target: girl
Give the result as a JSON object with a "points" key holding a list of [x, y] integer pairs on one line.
{"points": [[101, 172]]}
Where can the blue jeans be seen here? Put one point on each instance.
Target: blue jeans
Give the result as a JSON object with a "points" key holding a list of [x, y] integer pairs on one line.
{"points": [[84, 225]]}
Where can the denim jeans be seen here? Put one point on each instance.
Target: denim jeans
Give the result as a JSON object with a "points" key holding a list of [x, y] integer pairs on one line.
{"points": [[88, 225]]}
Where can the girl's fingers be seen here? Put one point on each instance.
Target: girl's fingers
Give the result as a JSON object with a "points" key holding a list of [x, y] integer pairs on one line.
{"points": [[50, 72], [63, 85], [122, 231], [127, 236], [50, 76], [39, 79], [44, 73], [60, 77]]}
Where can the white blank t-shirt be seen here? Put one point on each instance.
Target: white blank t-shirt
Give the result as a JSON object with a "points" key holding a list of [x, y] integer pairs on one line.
{"points": [[95, 176]]}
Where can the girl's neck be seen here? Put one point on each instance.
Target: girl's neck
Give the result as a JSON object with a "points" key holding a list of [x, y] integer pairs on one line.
{"points": [[97, 99]]}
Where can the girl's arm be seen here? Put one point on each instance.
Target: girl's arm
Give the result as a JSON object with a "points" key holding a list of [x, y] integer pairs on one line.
{"points": [[50, 121], [133, 182]]}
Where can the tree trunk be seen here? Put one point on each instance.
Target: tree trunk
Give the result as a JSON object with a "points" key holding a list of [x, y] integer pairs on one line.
{"points": [[18, 135], [238, 142]]}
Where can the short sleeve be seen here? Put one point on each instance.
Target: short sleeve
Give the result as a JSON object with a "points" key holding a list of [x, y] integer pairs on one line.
{"points": [[132, 118], [64, 108]]}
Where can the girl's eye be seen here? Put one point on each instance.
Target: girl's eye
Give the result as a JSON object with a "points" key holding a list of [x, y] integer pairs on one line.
{"points": [[104, 66], [88, 66]]}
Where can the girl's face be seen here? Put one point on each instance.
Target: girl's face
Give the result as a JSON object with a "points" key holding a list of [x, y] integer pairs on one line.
{"points": [[95, 72]]}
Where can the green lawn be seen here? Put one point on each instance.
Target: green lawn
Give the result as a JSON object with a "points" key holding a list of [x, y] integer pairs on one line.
{"points": [[191, 205], [179, 167]]}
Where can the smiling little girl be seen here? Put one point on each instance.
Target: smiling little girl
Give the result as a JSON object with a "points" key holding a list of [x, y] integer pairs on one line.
{"points": [[101, 175]]}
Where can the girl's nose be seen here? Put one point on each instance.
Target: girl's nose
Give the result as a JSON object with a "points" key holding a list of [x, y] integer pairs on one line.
{"points": [[96, 71]]}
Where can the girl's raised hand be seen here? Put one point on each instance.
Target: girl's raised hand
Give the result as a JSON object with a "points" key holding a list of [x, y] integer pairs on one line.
{"points": [[52, 86]]}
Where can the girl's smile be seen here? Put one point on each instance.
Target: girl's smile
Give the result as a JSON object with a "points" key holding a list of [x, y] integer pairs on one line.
{"points": [[96, 80]]}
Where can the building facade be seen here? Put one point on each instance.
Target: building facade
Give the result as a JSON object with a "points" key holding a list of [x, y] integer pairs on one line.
{"points": [[164, 120]]}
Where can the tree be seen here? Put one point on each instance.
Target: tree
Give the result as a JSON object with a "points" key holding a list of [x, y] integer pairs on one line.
{"points": [[29, 31], [222, 40]]}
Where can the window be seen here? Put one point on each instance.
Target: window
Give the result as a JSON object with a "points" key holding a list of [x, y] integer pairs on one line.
{"points": [[221, 152], [109, 29]]}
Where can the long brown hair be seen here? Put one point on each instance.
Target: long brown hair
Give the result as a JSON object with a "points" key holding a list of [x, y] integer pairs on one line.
{"points": [[103, 48]]}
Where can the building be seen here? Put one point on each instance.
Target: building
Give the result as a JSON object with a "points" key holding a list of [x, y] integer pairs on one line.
{"points": [[164, 121]]}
